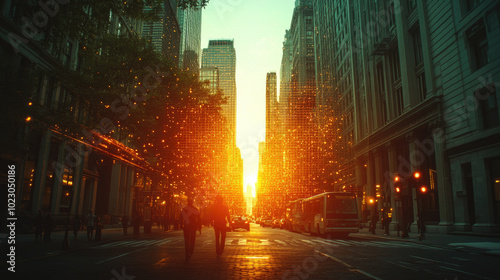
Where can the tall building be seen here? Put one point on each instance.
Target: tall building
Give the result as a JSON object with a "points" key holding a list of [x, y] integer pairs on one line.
{"points": [[419, 77], [335, 76], [164, 34], [284, 103], [210, 74], [190, 43], [221, 54], [272, 113], [301, 134], [271, 154]]}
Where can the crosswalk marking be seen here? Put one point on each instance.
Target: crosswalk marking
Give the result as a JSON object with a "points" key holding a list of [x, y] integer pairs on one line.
{"points": [[139, 243], [172, 242], [280, 242]]}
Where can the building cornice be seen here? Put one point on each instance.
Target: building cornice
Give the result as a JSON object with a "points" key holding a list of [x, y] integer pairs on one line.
{"points": [[425, 113]]}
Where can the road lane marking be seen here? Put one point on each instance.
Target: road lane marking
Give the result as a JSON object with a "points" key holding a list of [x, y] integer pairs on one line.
{"points": [[242, 242], [461, 259], [280, 242], [334, 258], [162, 242], [341, 242], [387, 244], [111, 244], [145, 243], [326, 243], [119, 256], [471, 274], [398, 264], [351, 268], [435, 261], [308, 241], [359, 243]]}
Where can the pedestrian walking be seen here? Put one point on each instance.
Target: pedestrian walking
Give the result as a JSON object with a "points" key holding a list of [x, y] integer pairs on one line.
{"points": [[191, 219], [48, 227], [90, 225], [219, 214], [77, 225], [98, 228], [39, 224], [125, 224]]}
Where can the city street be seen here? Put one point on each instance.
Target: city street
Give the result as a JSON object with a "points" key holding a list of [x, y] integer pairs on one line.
{"points": [[262, 253]]}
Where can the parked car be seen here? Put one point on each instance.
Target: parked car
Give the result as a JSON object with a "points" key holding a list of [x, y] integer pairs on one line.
{"points": [[278, 223], [266, 222], [282, 223], [240, 222]]}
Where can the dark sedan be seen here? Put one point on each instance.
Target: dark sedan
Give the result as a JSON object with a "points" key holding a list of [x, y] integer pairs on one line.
{"points": [[240, 222]]}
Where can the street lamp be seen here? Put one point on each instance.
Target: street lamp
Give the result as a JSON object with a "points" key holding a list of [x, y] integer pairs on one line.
{"points": [[65, 243]]}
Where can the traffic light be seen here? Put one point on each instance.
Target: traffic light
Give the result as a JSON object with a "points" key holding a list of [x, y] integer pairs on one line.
{"points": [[423, 189], [397, 186]]}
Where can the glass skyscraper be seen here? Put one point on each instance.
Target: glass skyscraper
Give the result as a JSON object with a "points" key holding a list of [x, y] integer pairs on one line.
{"points": [[190, 46], [221, 54]]}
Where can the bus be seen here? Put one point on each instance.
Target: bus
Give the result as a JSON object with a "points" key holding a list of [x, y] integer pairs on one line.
{"points": [[330, 213], [293, 219]]}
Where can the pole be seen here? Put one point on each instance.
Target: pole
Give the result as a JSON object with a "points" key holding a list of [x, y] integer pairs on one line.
{"points": [[65, 243]]}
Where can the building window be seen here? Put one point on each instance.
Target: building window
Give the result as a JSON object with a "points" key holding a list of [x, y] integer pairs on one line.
{"points": [[417, 47], [421, 86], [469, 5], [398, 101], [412, 6], [419, 65], [381, 92], [392, 16], [489, 107], [478, 45], [395, 64]]}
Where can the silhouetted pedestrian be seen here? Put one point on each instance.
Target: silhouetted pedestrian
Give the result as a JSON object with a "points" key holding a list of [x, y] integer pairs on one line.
{"points": [[219, 214], [191, 219], [48, 227], [90, 225], [98, 228], [77, 225], [39, 224], [125, 224]]}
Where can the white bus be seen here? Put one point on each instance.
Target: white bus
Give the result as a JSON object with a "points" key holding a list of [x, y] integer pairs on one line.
{"points": [[330, 213]]}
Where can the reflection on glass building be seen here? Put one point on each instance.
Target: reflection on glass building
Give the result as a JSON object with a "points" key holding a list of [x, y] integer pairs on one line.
{"points": [[221, 54], [190, 44]]}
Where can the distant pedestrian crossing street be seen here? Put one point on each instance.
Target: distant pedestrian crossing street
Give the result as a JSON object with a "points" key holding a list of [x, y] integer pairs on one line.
{"points": [[172, 241]]}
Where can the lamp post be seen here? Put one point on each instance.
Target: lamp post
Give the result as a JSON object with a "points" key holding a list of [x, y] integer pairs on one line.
{"points": [[65, 243]]}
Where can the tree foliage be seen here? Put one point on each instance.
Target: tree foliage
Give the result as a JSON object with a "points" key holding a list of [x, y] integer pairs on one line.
{"points": [[167, 114]]}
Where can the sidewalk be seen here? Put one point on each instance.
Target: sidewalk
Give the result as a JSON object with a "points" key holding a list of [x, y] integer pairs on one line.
{"points": [[27, 248], [468, 243]]}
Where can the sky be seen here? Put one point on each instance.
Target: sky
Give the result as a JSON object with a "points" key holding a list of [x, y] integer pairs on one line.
{"points": [[258, 29]]}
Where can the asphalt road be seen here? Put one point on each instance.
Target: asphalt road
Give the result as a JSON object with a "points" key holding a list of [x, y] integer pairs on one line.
{"points": [[262, 253]]}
